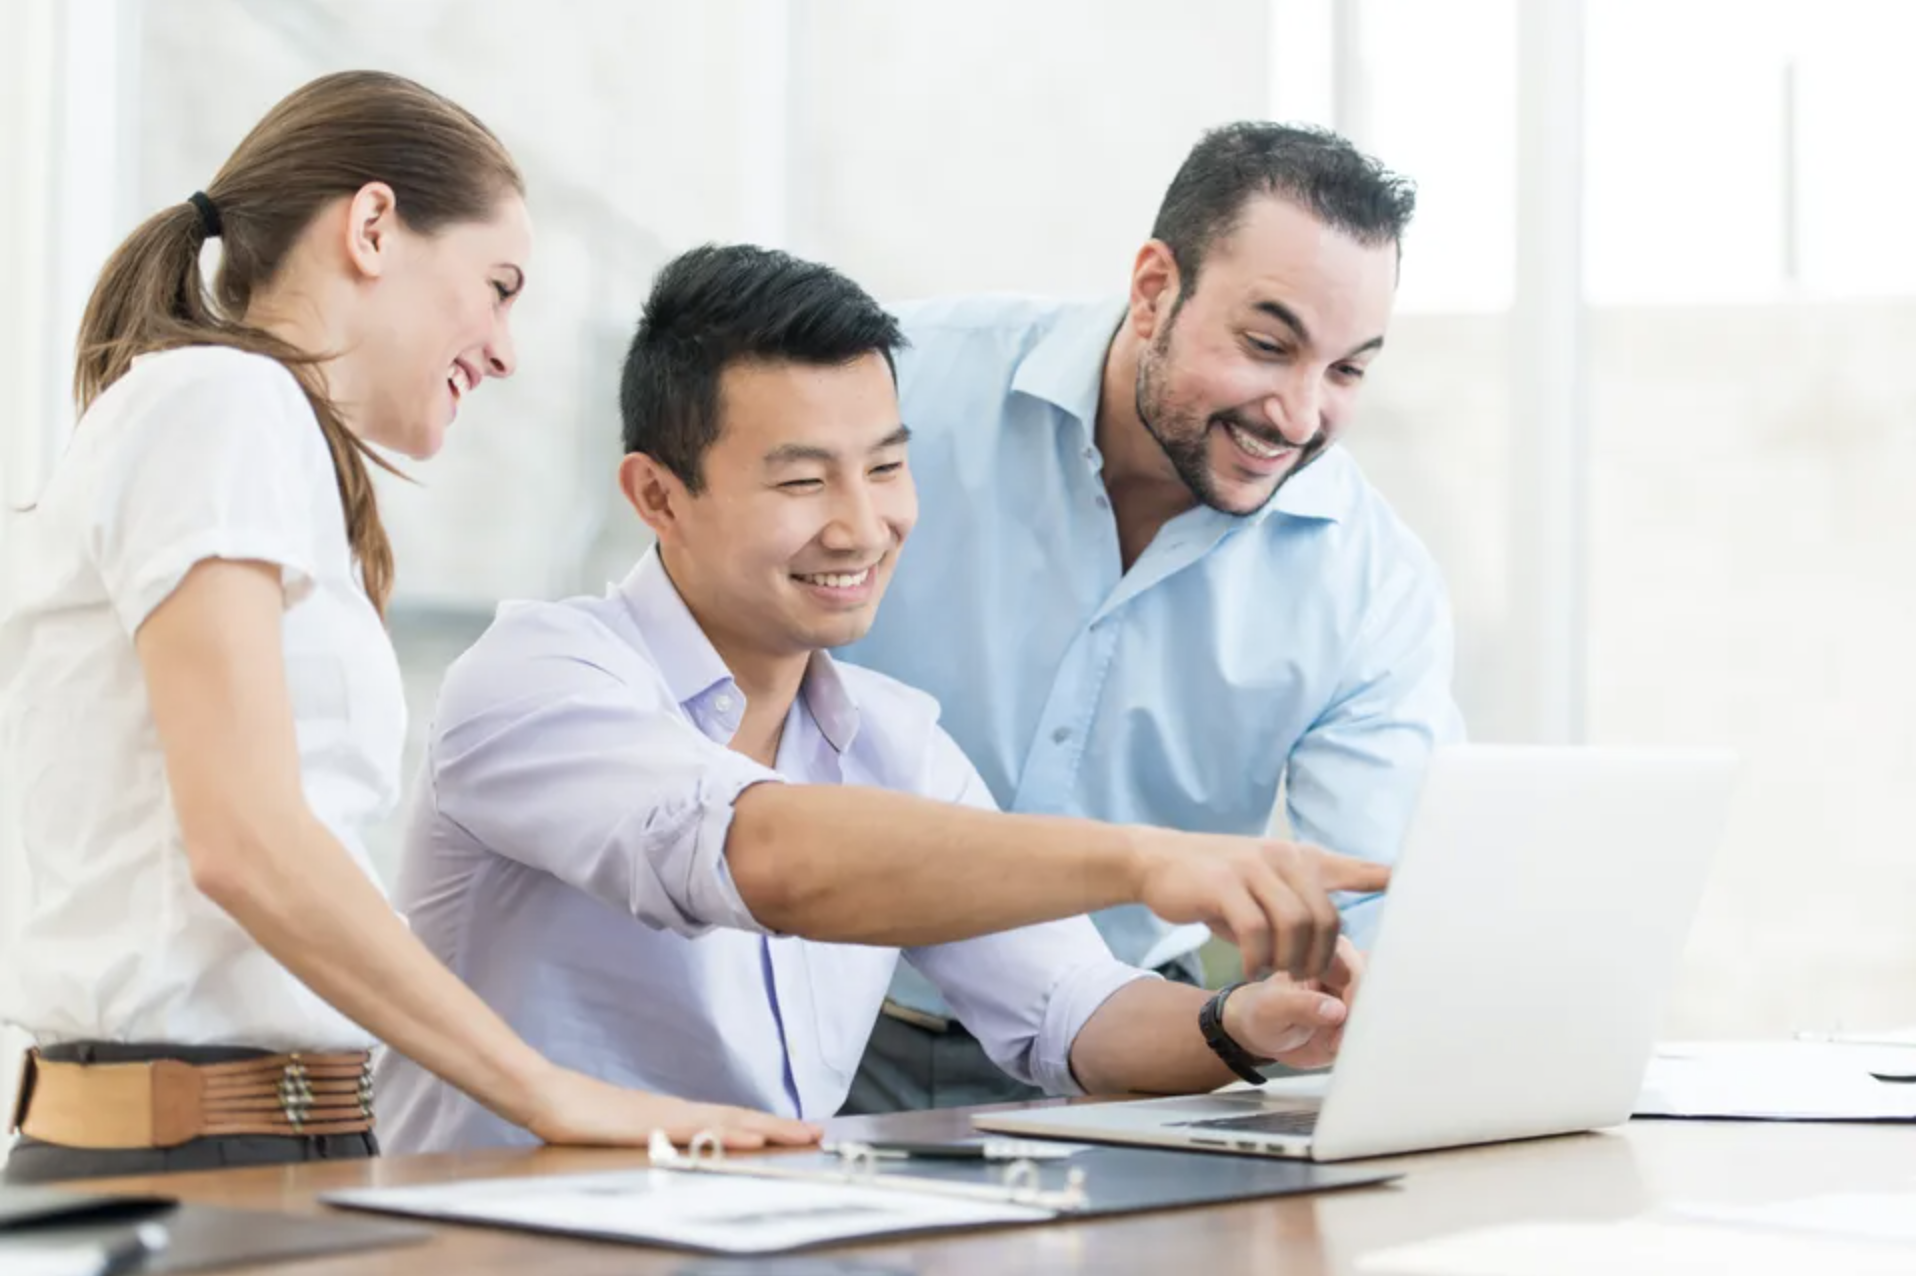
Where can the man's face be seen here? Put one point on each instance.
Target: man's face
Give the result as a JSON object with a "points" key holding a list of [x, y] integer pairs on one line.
{"points": [[806, 503], [1251, 376]]}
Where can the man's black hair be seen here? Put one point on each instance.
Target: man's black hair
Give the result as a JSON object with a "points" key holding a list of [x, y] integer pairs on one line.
{"points": [[715, 306], [1313, 168]]}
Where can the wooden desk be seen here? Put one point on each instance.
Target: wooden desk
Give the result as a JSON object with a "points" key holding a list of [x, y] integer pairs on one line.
{"points": [[1593, 1176]]}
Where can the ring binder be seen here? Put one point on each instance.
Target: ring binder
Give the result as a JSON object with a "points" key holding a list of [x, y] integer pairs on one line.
{"points": [[701, 1199], [1019, 1183]]}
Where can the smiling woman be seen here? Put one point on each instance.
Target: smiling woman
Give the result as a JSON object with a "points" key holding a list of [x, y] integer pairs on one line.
{"points": [[205, 572]]}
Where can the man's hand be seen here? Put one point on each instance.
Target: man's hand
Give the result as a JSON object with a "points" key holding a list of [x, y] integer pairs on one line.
{"points": [[1300, 1025], [1270, 898]]}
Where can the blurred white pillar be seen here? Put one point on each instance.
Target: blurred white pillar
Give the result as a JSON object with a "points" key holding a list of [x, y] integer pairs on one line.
{"points": [[28, 126], [767, 121], [29, 137], [67, 86], [1547, 633], [1350, 77], [97, 167]]}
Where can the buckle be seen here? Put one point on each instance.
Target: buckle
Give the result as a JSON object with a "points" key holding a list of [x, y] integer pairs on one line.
{"points": [[295, 1093]]}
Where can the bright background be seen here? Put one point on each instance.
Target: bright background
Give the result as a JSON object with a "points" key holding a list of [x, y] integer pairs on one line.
{"points": [[1649, 397]]}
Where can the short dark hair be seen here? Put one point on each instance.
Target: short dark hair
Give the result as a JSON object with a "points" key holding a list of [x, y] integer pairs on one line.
{"points": [[1314, 168], [719, 305]]}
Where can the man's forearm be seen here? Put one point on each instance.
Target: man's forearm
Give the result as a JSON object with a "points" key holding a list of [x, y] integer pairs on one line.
{"points": [[868, 866], [1144, 1039]]}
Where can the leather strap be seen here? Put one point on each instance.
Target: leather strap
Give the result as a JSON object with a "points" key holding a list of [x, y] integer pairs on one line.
{"points": [[1223, 1045], [164, 1103]]}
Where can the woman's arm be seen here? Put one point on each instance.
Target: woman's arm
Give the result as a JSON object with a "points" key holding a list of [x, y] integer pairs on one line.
{"points": [[216, 679]]}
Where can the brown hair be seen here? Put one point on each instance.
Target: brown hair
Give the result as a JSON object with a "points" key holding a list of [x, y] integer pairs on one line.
{"points": [[322, 142]]}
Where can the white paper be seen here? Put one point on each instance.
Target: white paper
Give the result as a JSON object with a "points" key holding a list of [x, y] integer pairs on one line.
{"points": [[726, 1213], [1781, 1081], [1638, 1247], [52, 1260], [1879, 1216]]}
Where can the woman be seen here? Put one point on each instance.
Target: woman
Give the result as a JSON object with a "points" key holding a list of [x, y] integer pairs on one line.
{"points": [[202, 709]]}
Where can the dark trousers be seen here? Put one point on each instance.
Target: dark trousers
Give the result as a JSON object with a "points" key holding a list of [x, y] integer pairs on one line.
{"points": [[35, 1162], [908, 1067]]}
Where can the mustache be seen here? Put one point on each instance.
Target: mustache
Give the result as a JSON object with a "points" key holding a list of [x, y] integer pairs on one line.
{"points": [[1264, 434]]}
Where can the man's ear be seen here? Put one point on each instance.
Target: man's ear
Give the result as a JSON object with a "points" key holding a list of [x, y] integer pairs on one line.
{"points": [[656, 494], [1154, 288]]}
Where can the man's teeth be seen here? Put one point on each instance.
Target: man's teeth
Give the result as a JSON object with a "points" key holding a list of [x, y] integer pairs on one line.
{"points": [[838, 581], [1255, 446]]}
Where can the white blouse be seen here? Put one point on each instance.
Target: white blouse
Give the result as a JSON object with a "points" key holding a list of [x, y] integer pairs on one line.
{"points": [[194, 454]]}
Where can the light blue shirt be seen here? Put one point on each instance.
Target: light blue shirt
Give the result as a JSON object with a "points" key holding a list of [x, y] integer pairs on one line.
{"points": [[566, 858], [1308, 643]]}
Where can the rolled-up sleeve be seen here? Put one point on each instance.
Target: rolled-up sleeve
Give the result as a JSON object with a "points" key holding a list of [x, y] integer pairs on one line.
{"points": [[1025, 993], [553, 748]]}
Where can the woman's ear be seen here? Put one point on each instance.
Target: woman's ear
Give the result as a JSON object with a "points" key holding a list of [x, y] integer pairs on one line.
{"points": [[371, 216]]}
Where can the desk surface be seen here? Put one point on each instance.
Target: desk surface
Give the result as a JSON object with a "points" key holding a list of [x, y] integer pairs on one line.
{"points": [[1597, 1176]]}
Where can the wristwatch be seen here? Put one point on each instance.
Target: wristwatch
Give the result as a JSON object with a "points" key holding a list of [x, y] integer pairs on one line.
{"points": [[1236, 1057]]}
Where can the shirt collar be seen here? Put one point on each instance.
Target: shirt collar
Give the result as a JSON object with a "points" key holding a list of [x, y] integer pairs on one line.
{"points": [[1322, 491], [1066, 369], [830, 701], [693, 668]]}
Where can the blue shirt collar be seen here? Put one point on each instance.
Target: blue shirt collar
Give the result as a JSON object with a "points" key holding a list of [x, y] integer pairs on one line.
{"points": [[1066, 369], [693, 668]]}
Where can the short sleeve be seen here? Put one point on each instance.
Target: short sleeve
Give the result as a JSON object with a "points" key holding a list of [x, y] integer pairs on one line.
{"points": [[217, 458]]}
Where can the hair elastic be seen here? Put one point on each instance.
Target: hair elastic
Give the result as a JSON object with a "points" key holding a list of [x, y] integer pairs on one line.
{"points": [[209, 213]]}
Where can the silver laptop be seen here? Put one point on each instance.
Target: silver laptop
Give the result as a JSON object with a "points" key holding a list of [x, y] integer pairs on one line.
{"points": [[1530, 933]]}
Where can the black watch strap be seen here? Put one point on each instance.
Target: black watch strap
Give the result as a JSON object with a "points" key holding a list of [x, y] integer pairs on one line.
{"points": [[1236, 1057]]}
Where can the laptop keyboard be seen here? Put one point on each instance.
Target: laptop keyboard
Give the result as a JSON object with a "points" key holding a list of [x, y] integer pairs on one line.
{"points": [[1297, 1121]]}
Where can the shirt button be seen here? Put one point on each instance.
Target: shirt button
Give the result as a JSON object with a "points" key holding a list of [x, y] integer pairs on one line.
{"points": [[1091, 454], [722, 703], [1061, 735], [1104, 502]]}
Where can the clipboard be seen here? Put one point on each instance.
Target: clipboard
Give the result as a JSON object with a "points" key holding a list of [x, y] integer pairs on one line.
{"points": [[704, 1201]]}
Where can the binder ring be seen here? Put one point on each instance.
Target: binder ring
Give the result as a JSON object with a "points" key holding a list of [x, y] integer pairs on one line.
{"points": [[706, 1148], [1021, 1180], [860, 1161]]}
